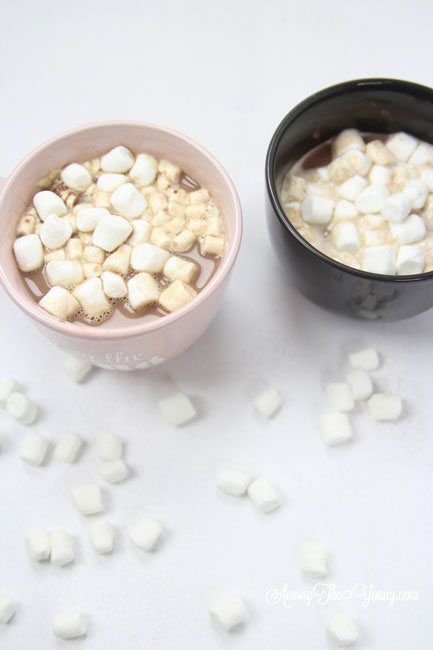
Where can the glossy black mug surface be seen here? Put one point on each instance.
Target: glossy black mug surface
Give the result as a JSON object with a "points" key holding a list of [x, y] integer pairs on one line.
{"points": [[369, 105]]}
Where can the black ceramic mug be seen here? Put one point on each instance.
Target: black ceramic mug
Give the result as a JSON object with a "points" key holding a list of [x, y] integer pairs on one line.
{"points": [[372, 106]]}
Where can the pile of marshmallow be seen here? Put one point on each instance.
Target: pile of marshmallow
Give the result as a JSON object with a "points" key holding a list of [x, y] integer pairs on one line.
{"points": [[109, 229], [375, 201]]}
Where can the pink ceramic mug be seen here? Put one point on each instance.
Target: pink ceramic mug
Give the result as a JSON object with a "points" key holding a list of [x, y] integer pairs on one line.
{"points": [[143, 344]]}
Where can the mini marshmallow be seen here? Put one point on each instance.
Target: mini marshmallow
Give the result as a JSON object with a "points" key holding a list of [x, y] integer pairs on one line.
{"points": [[176, 268], [314, 561], [410, 260], [342, 630], [7, 609], [88, 218], [141, 232], [58, 255], [358, 160], [385, 406], [113, 471], [373, 237], [109, 447], [64, 274], [147, 257], [372, 198], [345, 210], [360, 383], [267, 402], [128, 201], [101, 535], [171, 171], [62, 548], [233, 481], [352, 187], [144, 170], [427, 178], [340, 397], [176, 296], [183, 241], [422, 155], [110, 182], [397, 207], [380, 175], [200, 196], [118, 262], [340, 170], [92, 298], [418, 192], [378, 153], [379, 259], [76, 177], [159, 237], [34, 449], [346, 238], [38, 544], [76, 369], [59, 302], [145, 533], [177, 409], [68, 447], [211, 245], [119, 159], [21, 408], [335, 429], [317, 209], [402, 145], [55, 231], [29, 253], [366, 359], [74, 248], [47, 202], [114, 285], [348, 139], [91, 270], [412, 230], [88, 499], [94, 254], [70, 625], [143, 290], [229, 611], [8, 385], [111, 231], [264, 495]]}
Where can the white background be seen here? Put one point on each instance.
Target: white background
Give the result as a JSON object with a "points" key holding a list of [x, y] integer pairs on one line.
{"points": [[225, 74]]}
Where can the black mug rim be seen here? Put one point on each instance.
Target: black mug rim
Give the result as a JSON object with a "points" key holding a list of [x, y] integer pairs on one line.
{"points": [[331, 91]]}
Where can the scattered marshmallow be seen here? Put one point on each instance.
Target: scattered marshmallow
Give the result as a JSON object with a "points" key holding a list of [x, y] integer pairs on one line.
{"points": [[7, 609], [233, 481], [346, 238], [422, 155], [342, 630], [21, 408], [141, 232], [101, 535], [372, 198], [70, 625], [410, 260], [317, 209], [34, 449], [335, 429], [47, 202], [264, 495], [110, 182], [76, 369], [113, 471], [397, 207], [113, 285], [128, 201], [145, 533], [211, 245], [176, 268], [8, 385], [92, 298], [314, 561], [229, 611], [177, 409], [88, 218], [68, 447], [62, 548], [147, 257], [143, 290], [402, 145], [65, 273], [345, 210], [76, 177], [380, 175], [379, 259], [60, 303], [348, 139], [412, 230], [418, 192], [366, 359], [29, 253], [88, 499], [118, 262], [144, 170], [360, 383], [268, 402], [119, 159], [111, 231], [38, 544], [55, 231], [176, 296], [385, 406], [427, 177], [109, 447], [351, 188], [340, 397]]}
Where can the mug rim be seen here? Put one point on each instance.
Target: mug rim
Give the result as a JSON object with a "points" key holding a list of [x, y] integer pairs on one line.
{"points": [[94, 333], [292, 115]]}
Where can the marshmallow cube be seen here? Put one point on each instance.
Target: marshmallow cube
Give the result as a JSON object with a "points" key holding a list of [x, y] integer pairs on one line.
{"points": [[427, 177], [371, 199], [62, 548], [176, 296], [70, 625], [385, 406], [379, 259], [119, 159], [366, 359], [183, 241], [345, 210], [317, 209], [211, 245], [233, 481], [177, 409], [34, 449], [118, 262], [8, 385], [422, 155], [340, 397], [412, 230], [143, 290], [418, 192], [144, 169], [88, 218], [88, 499], [402, 145], [342, 630], [113, 285], [360, 383], [111, 231], [145, 533], [113, 471], [76, 369], [335, 429], [38, 544], [7, 609], [141, 232], [264, 495], [47, 202], [380, 175], [410, 260], [128, 201], [229, 611], [60, 303], [21, 408], [351, 188], [64, 273], [346, 238], [314, 561], [109, 447], [147, 257], [267, 402], [101, 535], [177, 268], [76, 177], [92, 298], [55, 231], [29, 253], [109, 182], [68, 447], [358, 160], [348, 139], [397, 207]]}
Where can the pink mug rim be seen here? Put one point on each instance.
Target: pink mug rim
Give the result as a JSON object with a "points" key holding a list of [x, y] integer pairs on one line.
{"points": [[227, 262]]}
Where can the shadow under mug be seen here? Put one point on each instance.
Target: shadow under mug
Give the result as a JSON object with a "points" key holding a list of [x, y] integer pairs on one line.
{"points": [[371, 106], [144, 343]]}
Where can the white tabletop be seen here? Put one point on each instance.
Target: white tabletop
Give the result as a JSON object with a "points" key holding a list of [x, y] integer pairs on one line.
{"points": [[224, 74]]}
